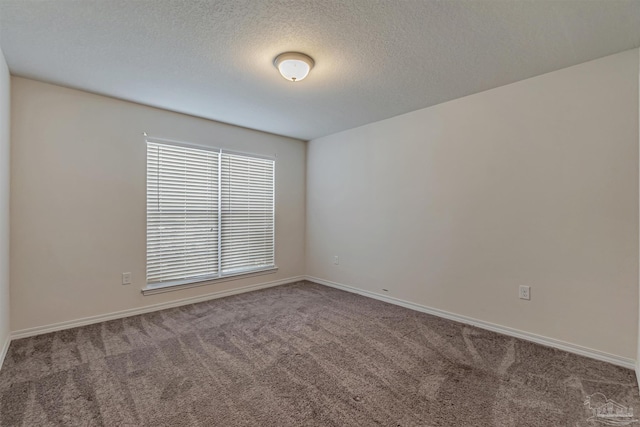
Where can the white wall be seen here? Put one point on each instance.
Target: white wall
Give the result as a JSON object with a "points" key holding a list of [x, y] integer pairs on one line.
{"points": [[5, 88], [454, 206], [78, 201]]}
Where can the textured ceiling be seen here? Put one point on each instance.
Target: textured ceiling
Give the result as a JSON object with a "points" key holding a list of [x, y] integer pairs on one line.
{"points": [[374, 59]]}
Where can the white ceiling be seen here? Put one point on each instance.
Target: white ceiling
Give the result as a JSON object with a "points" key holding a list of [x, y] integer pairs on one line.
{"points": [[374, 59]]}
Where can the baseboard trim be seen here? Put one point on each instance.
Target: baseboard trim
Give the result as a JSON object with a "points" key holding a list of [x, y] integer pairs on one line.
{"points": [[54, 327], [539, 339], [5, 349], [516, 333]]}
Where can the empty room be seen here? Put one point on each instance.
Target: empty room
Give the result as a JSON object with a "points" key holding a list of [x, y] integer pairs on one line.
{"points": [[319, 213]]}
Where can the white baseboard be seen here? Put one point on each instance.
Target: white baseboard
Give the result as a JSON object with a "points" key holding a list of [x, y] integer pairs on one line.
{"points": [[539, 339], [5, 349], [38, 330]]}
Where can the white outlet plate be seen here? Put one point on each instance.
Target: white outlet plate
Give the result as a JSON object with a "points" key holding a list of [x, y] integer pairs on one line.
{"points": [[336, 260], [126, 278], [525, 292]]}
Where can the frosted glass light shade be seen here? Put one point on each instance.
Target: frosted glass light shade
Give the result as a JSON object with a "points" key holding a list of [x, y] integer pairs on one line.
{"points": [[293, 66]]}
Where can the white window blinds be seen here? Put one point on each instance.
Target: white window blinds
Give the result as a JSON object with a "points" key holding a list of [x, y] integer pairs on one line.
{"points": [[247, 213], [209, 213]]}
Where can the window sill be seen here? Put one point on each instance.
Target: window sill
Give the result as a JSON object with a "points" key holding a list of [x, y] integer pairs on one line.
{"points": [[194, 283]]}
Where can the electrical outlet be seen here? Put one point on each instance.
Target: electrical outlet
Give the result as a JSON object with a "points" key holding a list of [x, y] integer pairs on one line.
{"points": [[336, 260], [525, 292], [126, 278]]}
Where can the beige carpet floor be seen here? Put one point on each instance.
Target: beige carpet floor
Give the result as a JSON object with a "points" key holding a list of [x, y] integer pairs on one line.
{"points": [[298, 355]]}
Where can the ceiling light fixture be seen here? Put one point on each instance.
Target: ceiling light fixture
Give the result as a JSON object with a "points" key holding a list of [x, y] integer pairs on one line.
{"points": [[293, 66]]}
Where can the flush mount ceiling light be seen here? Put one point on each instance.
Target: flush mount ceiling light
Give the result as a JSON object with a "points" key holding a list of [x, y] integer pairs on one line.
{"points": [[293, 66]]}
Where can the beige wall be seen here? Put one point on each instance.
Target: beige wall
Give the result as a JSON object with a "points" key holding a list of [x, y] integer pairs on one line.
{"points": [[455, 206], [5, 87], [78, 201], [638, 314]]}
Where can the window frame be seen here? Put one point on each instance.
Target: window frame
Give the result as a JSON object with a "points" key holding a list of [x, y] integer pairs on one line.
{"points": [[161, 287]]}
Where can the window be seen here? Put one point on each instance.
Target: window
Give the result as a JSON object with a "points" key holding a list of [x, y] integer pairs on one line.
{"points": [[210, 214]]}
